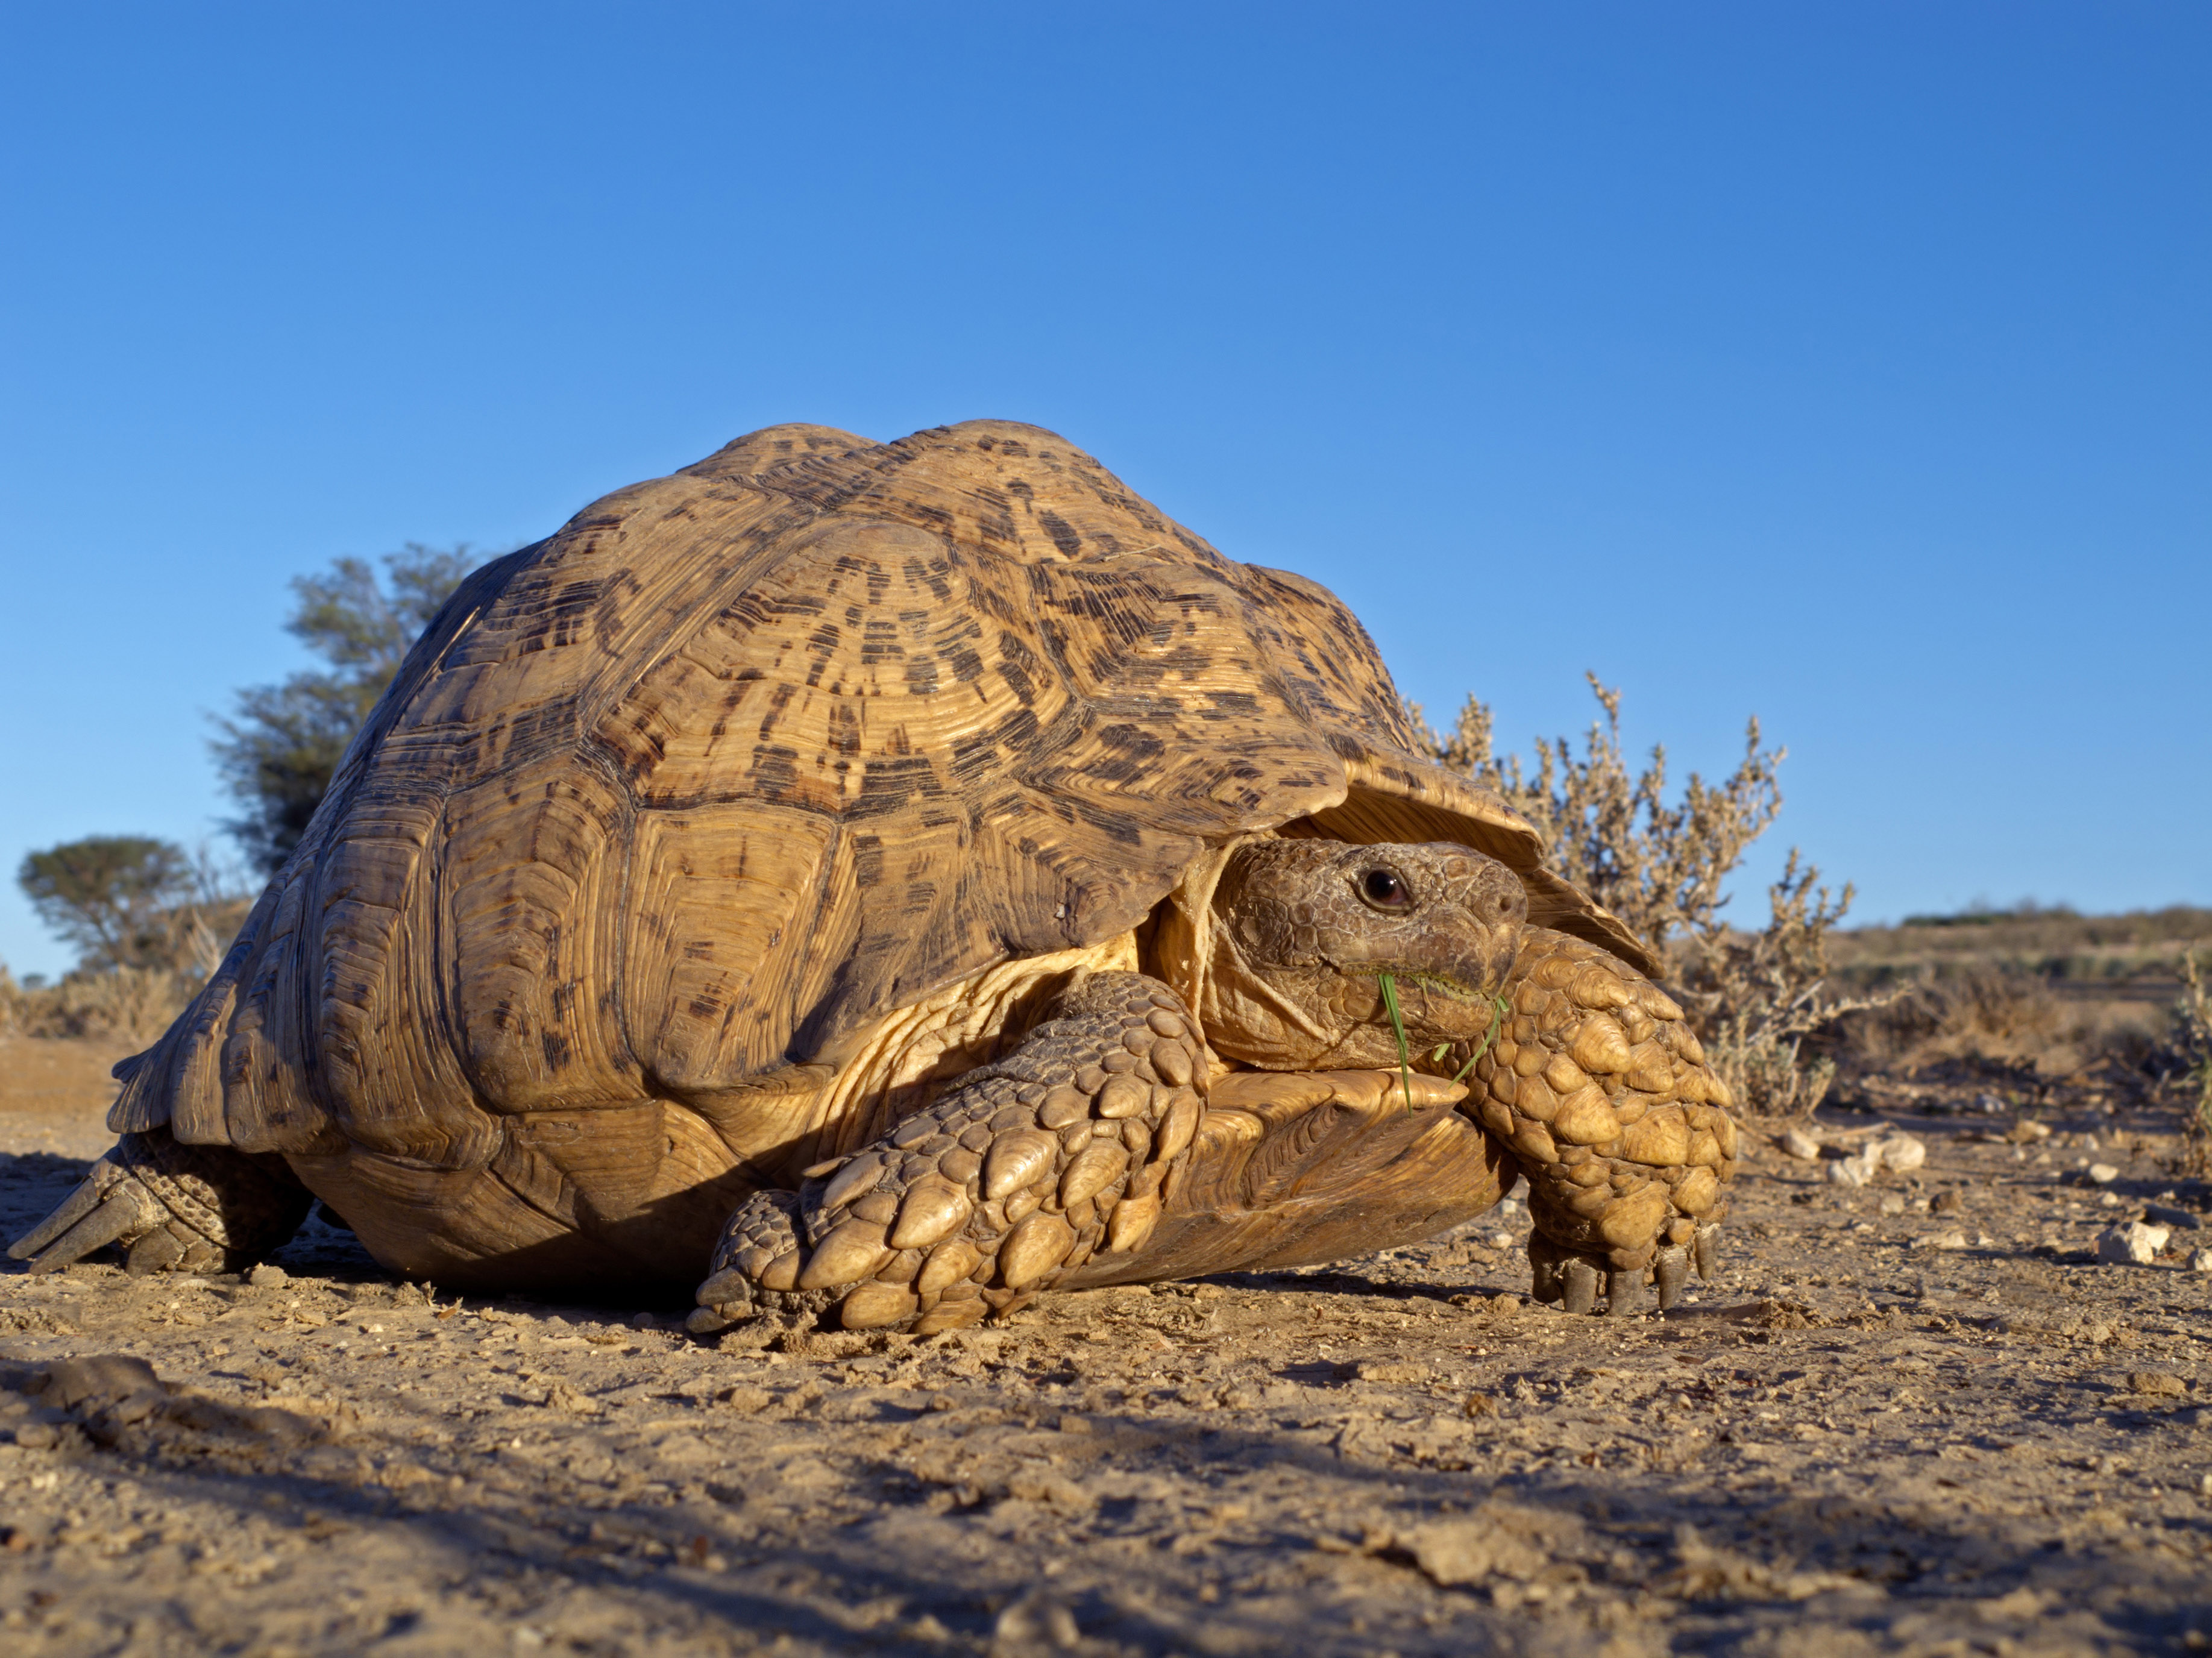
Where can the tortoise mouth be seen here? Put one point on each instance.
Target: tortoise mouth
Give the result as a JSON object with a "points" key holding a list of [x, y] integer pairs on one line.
{"points": [[1428, 979]]}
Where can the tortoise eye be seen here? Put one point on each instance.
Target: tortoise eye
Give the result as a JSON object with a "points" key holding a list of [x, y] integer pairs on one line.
{"points": [[1385, 888]]}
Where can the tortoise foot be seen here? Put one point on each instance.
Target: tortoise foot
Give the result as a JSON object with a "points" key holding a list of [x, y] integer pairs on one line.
{"points": [[171, 1208], [1603, 1093], [999, 1189], [1575, 1281], [758, 1265]]}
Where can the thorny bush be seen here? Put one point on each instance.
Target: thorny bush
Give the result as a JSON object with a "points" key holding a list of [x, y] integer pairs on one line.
{"points": [[1662, 866], [2192, 1020]]}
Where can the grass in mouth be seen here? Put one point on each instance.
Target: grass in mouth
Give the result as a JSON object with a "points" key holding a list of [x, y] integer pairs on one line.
{"points": [[1398, 1024], [1496, 1022], [1398, 1029]]}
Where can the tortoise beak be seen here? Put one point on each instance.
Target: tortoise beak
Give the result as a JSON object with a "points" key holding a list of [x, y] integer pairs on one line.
{"points": [[1451, 996]]}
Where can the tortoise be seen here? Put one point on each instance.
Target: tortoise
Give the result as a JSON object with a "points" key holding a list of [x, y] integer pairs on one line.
{"points": [[888, 881]]}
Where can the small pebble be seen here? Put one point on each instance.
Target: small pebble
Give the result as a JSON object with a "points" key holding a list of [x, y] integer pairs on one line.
{"points": [[268, 1276], [2162, 1384], [1849, 1171], [1901, 1154], [2103, 1173], [1800, 1145], [2132, 1245]]}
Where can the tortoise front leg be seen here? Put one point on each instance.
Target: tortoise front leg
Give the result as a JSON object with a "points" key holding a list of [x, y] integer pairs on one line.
{"points": [[1602, 1091], [171, 1207], [1279, 1169], [1029, 1169]]}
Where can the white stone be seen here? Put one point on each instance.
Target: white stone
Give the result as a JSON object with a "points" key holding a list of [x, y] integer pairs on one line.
{"points": [[2103, 1173], [1847, 1171], [1901, 1154], [2200, 1260], [2132, 1245], [1800, 1145]]}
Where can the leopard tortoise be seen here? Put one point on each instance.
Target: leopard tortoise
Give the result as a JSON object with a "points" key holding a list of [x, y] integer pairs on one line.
{"points": [[889, 881]]}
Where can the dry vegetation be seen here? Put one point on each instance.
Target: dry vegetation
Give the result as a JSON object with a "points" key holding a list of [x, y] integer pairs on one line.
{"points": [[2010, 1005], [2031, 1005], [131, 1005], [2136, 955], [2193, 1020], [1662, 868]]}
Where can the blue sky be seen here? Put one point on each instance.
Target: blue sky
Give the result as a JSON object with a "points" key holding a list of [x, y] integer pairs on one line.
{"points": [[1844, 363]]}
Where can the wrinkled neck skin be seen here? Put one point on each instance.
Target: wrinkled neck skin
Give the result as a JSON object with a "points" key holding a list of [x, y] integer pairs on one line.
{"points": [[1298, 933]]}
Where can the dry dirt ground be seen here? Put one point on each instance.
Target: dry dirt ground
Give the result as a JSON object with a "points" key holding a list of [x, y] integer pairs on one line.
{"points": [[1912, 1418]]}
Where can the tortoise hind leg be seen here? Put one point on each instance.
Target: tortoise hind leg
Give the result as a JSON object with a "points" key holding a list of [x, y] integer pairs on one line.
{"points": [[1013, 1180], [172, 1208]]}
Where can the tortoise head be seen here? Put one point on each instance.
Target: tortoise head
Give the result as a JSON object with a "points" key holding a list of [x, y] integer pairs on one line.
{"points": [[1306, 931]]}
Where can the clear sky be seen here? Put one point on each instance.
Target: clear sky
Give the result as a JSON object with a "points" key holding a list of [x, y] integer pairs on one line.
{"points": [[1844, 363]]}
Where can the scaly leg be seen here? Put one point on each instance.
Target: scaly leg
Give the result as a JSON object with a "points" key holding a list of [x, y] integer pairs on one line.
{"points": [[1602, 1091], [1018, 1176], [172, 1208], [1088, 1157]]}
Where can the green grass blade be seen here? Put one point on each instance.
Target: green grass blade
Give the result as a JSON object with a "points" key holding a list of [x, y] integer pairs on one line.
{"points": [[1497, 1020], [1398, 1024]]}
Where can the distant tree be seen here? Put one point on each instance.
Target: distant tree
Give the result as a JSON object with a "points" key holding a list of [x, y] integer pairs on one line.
{"points": [[110, 896], [279, 751]]}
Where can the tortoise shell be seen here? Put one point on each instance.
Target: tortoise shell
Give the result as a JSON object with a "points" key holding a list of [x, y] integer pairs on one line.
{"points": [[661, 810]]}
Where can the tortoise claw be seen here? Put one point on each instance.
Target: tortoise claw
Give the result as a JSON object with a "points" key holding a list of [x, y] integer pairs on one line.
{"points": [[1705, 1249], [1546, 1259], [159, 1251], [71, 1210], [1559, 1274], [1579, 1282], [1624, 1293], [125, 1212], [173, 1207]]}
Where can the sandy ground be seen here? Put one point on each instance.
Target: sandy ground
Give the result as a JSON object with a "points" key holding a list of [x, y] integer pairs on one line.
{"points": [[1909, 1419]]}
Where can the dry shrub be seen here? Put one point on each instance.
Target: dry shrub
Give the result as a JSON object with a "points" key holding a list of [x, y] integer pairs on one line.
{"points": [[1983, 1012], [2192, 1021], [132, 1005], [1994, 1015], [1753, 996]]}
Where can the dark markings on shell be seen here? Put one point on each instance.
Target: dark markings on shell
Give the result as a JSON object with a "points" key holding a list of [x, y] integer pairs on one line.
{"points": [[680, 795]]}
